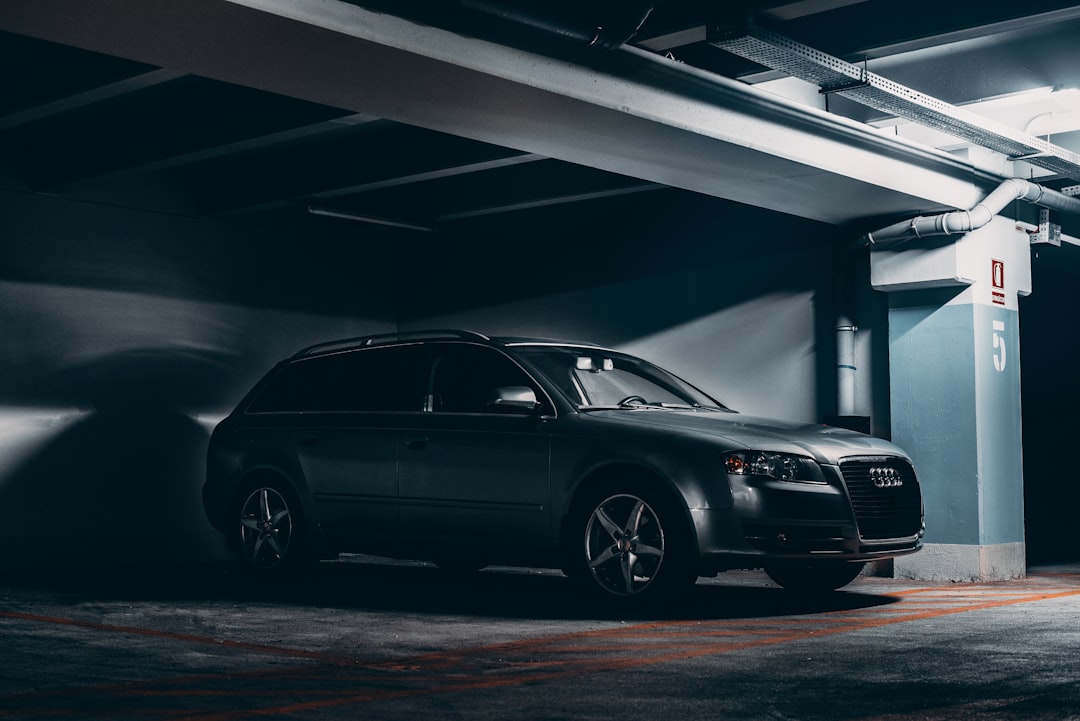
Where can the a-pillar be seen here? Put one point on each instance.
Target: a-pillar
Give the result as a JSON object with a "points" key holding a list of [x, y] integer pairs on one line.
{"points": [[954, 373]]}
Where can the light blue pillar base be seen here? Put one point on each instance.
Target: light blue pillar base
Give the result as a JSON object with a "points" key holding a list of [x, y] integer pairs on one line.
{"points": [[954, 371], [963, 562]]}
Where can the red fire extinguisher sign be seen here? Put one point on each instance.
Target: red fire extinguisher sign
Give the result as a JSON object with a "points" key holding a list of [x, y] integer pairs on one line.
{"points": [[997, 279]]}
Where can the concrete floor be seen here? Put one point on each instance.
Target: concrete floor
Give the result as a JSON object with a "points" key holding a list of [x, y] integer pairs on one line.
{"points": [[362, 639]]}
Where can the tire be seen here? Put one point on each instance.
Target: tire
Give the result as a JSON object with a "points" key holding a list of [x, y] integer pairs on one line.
{"points": [[628, 543], [272, 535], [814, 576]]}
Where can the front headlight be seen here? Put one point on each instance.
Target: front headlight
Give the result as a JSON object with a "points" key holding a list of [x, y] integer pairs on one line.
{"points": [[781, 466]]}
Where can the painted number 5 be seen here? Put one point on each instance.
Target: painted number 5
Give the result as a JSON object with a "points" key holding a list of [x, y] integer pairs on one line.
{"points": [[999, 346]]}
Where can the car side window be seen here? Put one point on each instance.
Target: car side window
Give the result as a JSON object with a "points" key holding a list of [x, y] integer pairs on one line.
{"points": [[363, 380], [464, 376]]}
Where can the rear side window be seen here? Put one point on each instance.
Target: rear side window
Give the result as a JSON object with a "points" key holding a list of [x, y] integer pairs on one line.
{"points": [[365, 380]]}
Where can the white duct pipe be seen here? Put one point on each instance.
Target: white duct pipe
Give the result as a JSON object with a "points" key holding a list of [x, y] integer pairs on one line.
{"points": [[844, 297], [845, 367], [962, 221]]}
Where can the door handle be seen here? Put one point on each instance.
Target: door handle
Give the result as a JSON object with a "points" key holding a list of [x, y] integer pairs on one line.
{"points": [[416, 442]]}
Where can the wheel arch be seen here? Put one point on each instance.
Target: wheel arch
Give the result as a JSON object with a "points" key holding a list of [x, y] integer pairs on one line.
{"points": [[255, 476], [272, 475], [614, 472]]}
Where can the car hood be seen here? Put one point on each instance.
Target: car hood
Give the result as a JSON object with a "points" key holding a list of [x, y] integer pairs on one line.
{"points": [[826, 444]]}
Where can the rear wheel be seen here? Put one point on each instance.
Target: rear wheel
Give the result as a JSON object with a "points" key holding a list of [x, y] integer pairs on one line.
{"points": [[628, 543], [814, 576], [271, 533]]}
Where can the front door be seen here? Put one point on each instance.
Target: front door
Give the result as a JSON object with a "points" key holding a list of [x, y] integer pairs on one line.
{"points": [[471, 473]]}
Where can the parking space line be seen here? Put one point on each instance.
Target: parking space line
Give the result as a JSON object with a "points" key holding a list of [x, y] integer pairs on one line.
{"points": [[322, 680], [174, 636]]}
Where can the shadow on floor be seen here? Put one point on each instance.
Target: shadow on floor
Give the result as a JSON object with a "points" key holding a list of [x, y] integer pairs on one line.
{"points": [[423, 589]]}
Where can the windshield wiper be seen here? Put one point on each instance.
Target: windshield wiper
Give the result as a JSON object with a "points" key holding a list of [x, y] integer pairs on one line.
{"points": [[685, 406], [630, 407], [654, 406]]}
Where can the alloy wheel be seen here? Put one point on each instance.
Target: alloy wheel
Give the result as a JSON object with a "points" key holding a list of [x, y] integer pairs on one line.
{"points": [[266, 528], [624, 545]]}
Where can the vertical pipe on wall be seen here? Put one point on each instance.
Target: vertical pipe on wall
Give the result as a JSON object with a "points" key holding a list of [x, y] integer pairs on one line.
{"points": [[844, 298], [845, 364]]}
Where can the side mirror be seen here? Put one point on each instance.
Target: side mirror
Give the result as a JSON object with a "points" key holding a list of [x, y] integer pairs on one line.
{"points": [[513, 399]]}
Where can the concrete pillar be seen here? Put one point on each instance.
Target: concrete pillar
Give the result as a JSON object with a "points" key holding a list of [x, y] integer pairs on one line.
{"points": [[954, 373]]}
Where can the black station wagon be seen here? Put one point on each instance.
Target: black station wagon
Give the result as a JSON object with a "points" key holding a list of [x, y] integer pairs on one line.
{"points": [[464, 450]]}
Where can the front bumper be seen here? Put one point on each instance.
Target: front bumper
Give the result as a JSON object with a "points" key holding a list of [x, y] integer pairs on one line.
{"points": [[846, 518]]}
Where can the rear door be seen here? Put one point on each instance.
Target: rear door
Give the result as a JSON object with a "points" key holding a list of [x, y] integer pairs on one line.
{"points": [[353, 406]]}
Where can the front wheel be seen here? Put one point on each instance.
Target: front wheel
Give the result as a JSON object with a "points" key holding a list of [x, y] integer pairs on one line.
{"points": [[814, 576], [271, 535], [630, 544]]}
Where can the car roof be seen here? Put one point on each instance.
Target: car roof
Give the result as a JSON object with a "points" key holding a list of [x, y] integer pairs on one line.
{"points": [[380, 339], [389, 338], [520, 341]]}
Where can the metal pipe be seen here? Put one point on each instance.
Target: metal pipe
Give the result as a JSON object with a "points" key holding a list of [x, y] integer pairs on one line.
{"points": [[845, 367], [962, 221], [844, 299]]}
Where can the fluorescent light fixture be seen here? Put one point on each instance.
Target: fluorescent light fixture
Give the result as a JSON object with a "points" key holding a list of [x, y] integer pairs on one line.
{"points": [[1068, 98], [373, 220], [1041, 112]]}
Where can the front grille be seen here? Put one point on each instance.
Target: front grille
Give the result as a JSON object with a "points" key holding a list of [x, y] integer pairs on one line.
{"points": [[894, 511]]}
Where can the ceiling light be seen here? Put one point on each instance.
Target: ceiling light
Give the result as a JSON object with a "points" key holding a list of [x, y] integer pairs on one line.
{"points": [[374, 220], [1041, 112]]}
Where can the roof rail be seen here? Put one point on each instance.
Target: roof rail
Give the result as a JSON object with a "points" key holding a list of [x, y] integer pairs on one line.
{"points": [[366, 340]]}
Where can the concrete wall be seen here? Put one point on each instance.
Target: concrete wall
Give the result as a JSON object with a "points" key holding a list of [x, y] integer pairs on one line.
{"points": [[126, 335], [736, 300], [753, 349]]}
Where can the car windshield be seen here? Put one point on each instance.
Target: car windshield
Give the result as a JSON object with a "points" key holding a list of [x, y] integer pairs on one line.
{"points": [[595, 377]]}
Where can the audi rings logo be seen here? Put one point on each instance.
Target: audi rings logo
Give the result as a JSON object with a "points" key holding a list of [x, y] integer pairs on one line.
{"points": [[885, 477]]}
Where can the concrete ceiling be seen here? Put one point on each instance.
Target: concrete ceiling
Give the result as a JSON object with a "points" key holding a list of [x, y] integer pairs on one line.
{"points": [[413, 116]]}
